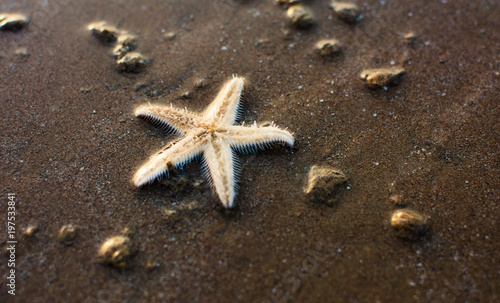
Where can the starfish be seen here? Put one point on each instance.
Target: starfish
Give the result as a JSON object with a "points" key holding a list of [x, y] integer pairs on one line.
{"points": [[211, 134]]}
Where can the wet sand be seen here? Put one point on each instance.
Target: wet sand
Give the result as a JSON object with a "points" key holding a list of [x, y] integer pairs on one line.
{"points": [[70, 145]]}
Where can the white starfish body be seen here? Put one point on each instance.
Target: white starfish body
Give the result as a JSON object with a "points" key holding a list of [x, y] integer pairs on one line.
{"points": [[210, 134]]}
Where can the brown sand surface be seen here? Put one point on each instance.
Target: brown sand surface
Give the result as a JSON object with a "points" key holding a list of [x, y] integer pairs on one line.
{"points": [[70, 145]]}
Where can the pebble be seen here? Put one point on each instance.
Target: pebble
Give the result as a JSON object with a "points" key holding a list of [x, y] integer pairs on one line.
{"points": [[346, 11], [288, 1], [409, 224], [67, 234], [323, 181], [396, 200], [328, 48], [169, 36], [22, 54], [103, 31], [124, 44], [13, 21], [132, 62], [30, 230], [410, 38], [301, 16], [382, 77], [200, 83], [116, 251]]}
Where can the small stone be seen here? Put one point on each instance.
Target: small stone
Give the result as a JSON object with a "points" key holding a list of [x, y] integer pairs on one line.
{"points": [[301, 16], [85, 90], [139, 85], [186, 95], [199, 83], [103, 31], [323, 181], [124, 44], [288, 1], [346, 11], [67, 234], [328, 48], [116, 251], [396, 200], [169, 36], [287, 34], [30, 230], [131, 62], [21, 54], [151, 265], [382, 77], [410, 38], [13, 21], [409, 224]]}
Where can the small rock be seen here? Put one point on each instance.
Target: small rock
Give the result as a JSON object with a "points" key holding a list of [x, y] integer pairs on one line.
{"points": [[116, 251], [132, 62], [328, 48], [30, 230], [409, 224], [323, 181], [287, 34], [288, 1], [151, 265], [124, 44], [169, 36], [396, 200], [186, 95], [67, 234], [139, 85], [410, 38], [346, 11], [301, 16], [103, 31], [85, 90], [199, 83], [21, 54], [382, 77], [13, 21]]}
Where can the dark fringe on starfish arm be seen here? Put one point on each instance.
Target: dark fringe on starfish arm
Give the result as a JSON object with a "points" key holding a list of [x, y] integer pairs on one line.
{"points": [[254, 138], [173, 155]]}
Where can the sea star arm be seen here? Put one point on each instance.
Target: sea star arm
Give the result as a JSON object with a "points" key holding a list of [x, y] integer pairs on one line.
{"points": [[179, 121], [172, 155], [225, 107], [249, 138], [219, 167]]}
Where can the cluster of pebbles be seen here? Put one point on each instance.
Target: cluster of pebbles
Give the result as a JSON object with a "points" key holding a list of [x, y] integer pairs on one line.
{"points": [[301, 17], [124, 43]]}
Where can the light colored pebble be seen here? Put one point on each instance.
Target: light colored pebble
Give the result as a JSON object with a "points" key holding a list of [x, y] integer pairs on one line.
{"points": [[169, 36], [116, 251], [409, 224], [30, 230], [328, 48], [346, 11], [132, 62], [67, 234], [323, 181], [13, 21], [382, 77], [104, 31], [410, 38], [396, 200], [300, 16]]}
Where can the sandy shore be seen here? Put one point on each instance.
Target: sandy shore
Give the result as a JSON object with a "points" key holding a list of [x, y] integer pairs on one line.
{"points": [[70, 146]]}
